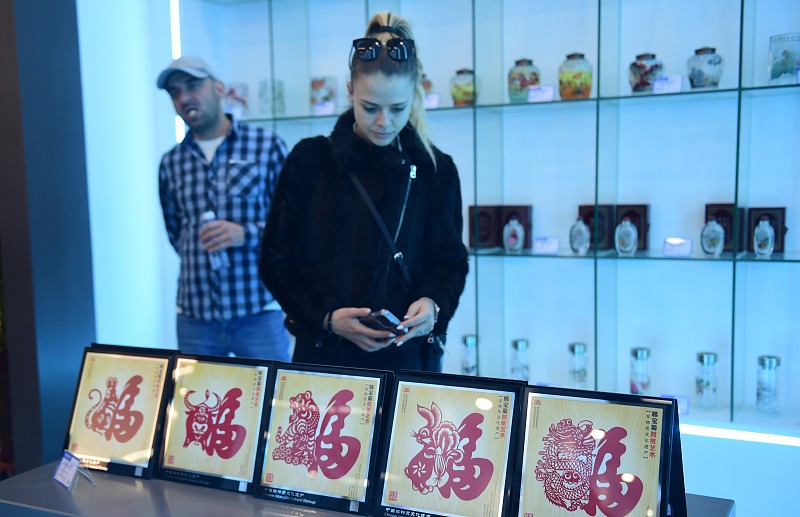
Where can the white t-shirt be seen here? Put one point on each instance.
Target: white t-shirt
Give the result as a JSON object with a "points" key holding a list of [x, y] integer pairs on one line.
{"points": [[209, 147]]}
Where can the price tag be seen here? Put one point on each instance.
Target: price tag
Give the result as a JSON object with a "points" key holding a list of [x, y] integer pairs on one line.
{"points": [[540, 93], [323, 108], [431, 101], [668, 84], [545, 245], [677, 247], [66, 470]]}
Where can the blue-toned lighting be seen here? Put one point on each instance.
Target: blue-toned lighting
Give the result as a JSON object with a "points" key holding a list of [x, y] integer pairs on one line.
{"points": [[175, 27], [734, 434]]}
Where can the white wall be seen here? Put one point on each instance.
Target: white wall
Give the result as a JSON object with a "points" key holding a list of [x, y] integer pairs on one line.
{"points": [[128, 125]]}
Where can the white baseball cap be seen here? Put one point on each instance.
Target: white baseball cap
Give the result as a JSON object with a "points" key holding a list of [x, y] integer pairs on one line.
{"points": [[192, 65]]}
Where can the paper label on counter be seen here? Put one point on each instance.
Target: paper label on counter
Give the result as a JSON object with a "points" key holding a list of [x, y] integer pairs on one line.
{"points": [[545, 245], [541, 93], [668, 84]]}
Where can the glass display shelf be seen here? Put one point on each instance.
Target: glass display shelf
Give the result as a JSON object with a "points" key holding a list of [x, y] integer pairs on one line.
{"points": [[675, 152], [500, 252], [527, 105], [726, 256], [779, 258]]}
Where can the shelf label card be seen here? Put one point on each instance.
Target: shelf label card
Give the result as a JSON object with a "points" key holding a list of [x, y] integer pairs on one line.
{"points": [[431, 101], [541, 93], [545, 245], [668, 84], [66, 470], [677, 247], [323, 108]]}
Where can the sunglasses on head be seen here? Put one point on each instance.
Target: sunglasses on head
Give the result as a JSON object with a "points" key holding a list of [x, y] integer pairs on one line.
{"points": [[368, 49]]}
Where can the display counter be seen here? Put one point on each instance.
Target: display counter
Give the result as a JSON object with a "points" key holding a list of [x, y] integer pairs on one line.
{"points": [[34, 493]]}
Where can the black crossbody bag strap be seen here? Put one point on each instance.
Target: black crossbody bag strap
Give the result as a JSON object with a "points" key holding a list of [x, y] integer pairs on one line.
{"points": [[396, 255]]}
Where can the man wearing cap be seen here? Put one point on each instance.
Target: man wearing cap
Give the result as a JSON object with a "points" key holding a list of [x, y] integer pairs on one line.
{"points": [[215, 188]]}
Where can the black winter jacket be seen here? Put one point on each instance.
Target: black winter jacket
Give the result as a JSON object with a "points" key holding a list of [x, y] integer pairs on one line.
{"points": [[322, 249]]}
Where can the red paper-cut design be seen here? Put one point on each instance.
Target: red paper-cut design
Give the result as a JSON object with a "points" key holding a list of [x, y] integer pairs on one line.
{"points": [[212, 427], [580, 472], [318, 447], [112, 416], [445, 461]]}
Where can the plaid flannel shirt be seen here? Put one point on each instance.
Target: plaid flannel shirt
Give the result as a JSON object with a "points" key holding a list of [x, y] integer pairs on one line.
{"points": [[237, 185]]}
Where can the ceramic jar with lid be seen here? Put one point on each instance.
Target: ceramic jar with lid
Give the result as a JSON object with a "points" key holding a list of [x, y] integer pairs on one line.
{"points": [[767, 384], [644, 71], [464, 87], [575, 77], [626, 238], [578, 370], [705, 68], [763, 239], [712, 237], [579, 237], [522, 76], [705, 381], [513, 236]]}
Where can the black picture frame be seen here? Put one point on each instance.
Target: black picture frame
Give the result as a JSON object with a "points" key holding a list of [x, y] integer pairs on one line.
{"points": [[777, 218], [425, 440], [639, 217], [118, 408], [290, 479], [211, 439], [484, 227], [601, 220], [599, 430], [724, 214]]}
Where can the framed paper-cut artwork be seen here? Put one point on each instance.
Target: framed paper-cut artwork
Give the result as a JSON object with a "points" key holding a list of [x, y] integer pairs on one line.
{"points": [[213, 420], [451, 446], [321, 438], [591, 453], [118, 409]]}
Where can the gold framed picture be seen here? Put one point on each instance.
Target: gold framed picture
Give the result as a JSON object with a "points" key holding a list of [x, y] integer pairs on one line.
{"points": [[451, 446], [591, 453], [118, 408], [321, 437], [213, 419]]}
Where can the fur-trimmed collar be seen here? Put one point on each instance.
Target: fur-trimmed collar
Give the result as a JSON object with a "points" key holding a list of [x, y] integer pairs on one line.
{"points": [[350, 150]]}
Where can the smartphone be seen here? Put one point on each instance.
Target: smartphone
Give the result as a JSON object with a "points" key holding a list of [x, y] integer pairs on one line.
{"points": [[381, 320]]}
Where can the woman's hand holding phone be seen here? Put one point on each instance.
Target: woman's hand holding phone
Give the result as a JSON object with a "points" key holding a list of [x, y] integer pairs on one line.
{"points": [[347, 322]]}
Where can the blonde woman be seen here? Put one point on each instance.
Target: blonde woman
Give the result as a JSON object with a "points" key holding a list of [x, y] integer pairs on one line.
{"points": [[324, 254]]}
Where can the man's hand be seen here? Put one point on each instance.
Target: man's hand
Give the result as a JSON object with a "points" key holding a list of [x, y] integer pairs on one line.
{"points": [[220, 234]]}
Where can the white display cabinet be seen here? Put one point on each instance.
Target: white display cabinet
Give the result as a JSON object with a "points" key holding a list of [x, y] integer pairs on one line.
{"points": [[674, 152]]}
